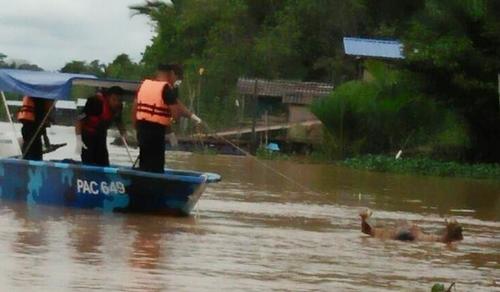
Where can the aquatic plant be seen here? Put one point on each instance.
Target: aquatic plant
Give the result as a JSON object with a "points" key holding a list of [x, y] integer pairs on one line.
{"points": [[441, 288], [424, 166]]}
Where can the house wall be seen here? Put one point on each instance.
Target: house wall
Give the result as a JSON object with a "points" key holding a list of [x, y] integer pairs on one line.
{"points": [[299, 113], [307, 134]]}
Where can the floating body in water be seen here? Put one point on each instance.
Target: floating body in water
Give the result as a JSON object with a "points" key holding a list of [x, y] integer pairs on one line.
{"points": [[410, 232]]}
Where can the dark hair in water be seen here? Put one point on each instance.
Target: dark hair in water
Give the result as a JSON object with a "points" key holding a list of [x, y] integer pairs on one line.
{"points": [[176, 68]]}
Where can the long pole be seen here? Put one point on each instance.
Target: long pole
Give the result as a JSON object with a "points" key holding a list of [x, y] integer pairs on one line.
{"points": [[127, 148], [7, 111], [267, 130], [254, 117]]}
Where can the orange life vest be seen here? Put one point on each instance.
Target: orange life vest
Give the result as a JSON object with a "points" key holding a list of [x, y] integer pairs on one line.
{"points": [[150, 104], [27, 111], [91, 124]]}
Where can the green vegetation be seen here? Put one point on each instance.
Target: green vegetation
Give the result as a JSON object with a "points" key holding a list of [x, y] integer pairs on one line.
{"points": [[12, 65], [2, 60], [263, 153], [3, 114], [438, 288], [120, 68], [423, 166], [241, 38], [388, 113], [442, 98], [440, 101], [452, 46], [441, 288]]}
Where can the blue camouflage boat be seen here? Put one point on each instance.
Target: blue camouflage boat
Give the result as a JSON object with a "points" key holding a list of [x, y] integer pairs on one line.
{"points": [[69, 183], [104, 188]]}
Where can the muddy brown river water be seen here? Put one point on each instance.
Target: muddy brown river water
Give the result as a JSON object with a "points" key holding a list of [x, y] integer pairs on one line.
{"points": [[255, 231]]}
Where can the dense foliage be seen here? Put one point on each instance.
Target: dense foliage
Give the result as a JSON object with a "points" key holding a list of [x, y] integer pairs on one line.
{"points": [[235, 38], [388, 113], [453, 46], [4, 63], [442, 94], [121, 67], [452, 50]]}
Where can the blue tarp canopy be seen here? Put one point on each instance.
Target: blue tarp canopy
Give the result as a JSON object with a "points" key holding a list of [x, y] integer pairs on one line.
{"points": [[54, 85], [50, 85]]}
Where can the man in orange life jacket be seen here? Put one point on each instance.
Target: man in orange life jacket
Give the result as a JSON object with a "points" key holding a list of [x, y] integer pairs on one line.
{"points": [[152, 113], [31, 115], [92, 126]]}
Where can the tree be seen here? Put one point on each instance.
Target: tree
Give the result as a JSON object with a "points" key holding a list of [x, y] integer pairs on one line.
{"points": [[388, 113], [2, 60], [233, 38], [31, 67], [453, 46], [304, 40], [13, 65], [217, 37], [123, 68], [452, 49], [82, 67]]}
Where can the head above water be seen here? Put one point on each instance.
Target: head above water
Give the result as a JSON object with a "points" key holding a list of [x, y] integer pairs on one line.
{"points": [[453, 231], [365, 213], [114, 94], [170, 73]]}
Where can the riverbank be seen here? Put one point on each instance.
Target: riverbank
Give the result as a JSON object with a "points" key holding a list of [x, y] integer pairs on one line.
{"points": [[382, 163], [423, 166]]}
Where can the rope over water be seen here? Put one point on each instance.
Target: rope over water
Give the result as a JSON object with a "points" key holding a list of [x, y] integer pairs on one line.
{"points": [[261, 163]]}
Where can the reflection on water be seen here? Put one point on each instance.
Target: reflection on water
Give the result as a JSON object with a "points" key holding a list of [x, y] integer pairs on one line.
{"points": [[256, 232]]}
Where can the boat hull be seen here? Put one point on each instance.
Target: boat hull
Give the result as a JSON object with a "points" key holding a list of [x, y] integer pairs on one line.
{"points": [[110, 189]]}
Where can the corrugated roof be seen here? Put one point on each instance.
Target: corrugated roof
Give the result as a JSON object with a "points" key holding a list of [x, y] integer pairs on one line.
{"points": [[281, 88], [373, 48]]}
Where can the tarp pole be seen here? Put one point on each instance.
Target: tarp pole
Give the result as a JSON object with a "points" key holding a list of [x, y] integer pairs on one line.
{"points": [[39, 129], [7, 111]]}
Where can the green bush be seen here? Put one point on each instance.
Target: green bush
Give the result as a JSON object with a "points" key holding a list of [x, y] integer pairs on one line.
{"points": [[386, 114]]}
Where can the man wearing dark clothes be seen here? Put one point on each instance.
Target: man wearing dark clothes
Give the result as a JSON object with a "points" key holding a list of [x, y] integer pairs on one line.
{"points": [[92, 126], [31, 115], [152, 114]]}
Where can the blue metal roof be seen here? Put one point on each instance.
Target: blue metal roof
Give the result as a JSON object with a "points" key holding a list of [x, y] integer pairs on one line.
{"points": [[373, 48]]}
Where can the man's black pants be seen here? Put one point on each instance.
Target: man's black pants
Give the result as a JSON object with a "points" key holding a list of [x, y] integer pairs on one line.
{"points": [[35, 152], [151, 138], [97, 150]]}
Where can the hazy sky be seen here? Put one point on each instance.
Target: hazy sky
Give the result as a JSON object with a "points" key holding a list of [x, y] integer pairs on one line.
{"points": [[50, 33]]}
